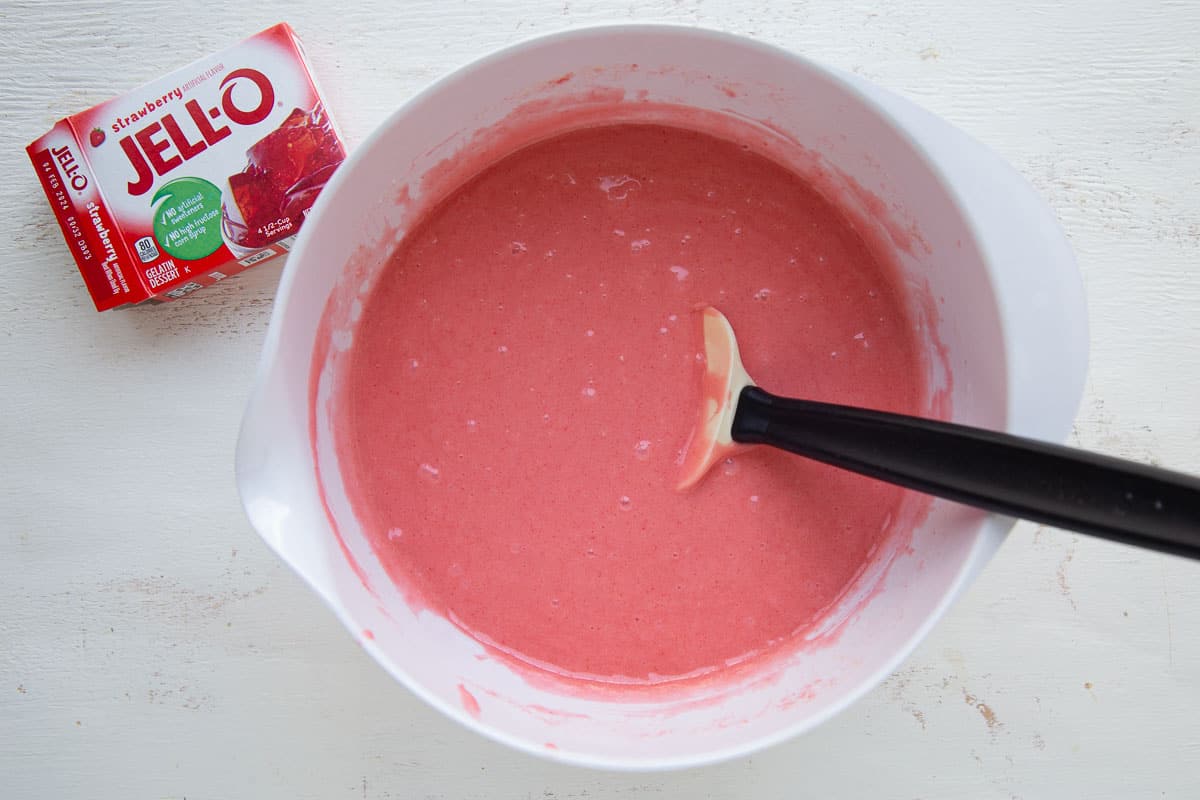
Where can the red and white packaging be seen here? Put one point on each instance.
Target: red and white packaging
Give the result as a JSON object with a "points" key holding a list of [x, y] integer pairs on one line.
{"points": [[193, 177]]}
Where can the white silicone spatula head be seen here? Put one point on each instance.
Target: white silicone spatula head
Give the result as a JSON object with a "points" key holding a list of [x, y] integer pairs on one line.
{"points": [[724, 379]]}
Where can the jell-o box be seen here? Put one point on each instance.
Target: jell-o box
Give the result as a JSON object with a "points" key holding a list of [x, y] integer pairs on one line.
{"points": [[193, 177]]}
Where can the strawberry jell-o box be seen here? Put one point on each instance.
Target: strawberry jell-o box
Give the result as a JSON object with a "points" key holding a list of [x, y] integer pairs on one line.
{"points": [[193, 177]]}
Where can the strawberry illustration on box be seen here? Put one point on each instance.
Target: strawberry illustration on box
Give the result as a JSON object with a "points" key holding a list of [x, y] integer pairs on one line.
{"points": [[193, 177]]}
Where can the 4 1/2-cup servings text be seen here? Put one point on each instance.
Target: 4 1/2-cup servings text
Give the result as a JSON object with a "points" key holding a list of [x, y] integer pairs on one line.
{"points": [[193, 177]]}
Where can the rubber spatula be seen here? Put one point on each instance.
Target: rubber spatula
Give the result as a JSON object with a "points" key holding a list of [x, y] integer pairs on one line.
{"points": [[1123, 501]]}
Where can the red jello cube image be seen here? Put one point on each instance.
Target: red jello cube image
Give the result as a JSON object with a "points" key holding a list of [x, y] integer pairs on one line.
{"points": [[285, 170]]}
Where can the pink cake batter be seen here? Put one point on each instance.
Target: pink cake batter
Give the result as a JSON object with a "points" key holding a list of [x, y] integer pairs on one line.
{"points": [[526, 375]]}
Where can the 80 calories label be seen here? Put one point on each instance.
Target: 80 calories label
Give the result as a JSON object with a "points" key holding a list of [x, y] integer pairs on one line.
{"points": [[193, 176]]}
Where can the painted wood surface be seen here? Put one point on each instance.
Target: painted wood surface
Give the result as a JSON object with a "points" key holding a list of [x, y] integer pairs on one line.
{"points": [[158, 650]]}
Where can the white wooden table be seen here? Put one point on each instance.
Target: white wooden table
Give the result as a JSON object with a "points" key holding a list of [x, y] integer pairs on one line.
{"points": [[158, 650]]}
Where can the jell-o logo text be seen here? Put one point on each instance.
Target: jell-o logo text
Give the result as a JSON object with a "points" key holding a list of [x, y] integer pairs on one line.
{"points": [[165, 144]]}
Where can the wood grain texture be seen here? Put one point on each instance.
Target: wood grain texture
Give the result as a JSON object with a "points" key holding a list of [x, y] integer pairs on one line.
{"points": [[160, 651]]}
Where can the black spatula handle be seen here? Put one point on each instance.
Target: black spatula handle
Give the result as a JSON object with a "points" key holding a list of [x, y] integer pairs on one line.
{"points": [[1074, 489]]}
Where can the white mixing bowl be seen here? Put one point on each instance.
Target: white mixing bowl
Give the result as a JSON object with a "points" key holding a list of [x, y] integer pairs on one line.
{"points": [[1012, 323]]}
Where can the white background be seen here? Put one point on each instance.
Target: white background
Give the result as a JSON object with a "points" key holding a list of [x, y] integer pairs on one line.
{"points": [[151, 646]]}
